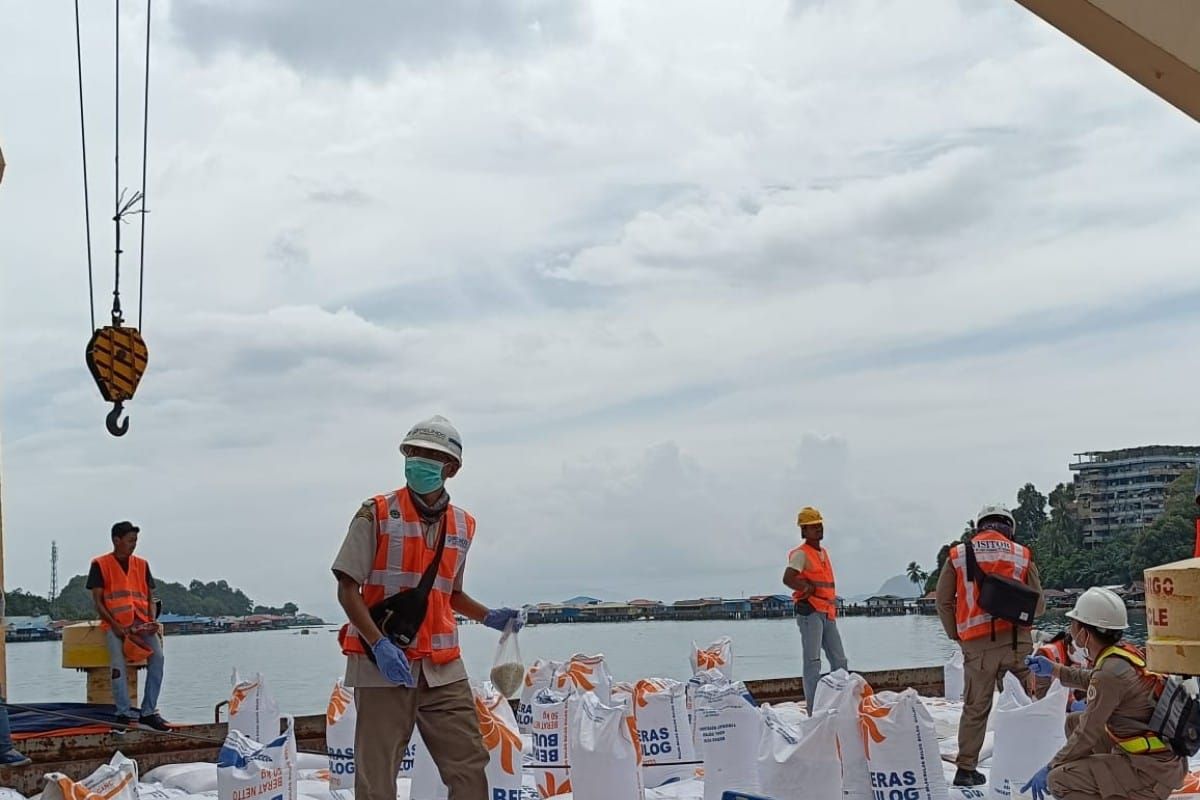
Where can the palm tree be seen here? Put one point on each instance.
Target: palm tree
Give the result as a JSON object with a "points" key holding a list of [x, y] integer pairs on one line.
{"points": [[916, 574]]}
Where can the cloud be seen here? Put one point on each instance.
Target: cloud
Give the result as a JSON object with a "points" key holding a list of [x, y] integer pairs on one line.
{"points": [[369, 38], [665, 522], [674, 270], [353, 198], [763, 235]]}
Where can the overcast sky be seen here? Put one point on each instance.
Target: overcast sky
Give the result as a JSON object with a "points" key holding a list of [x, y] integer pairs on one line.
{"points": [[674, 270]]}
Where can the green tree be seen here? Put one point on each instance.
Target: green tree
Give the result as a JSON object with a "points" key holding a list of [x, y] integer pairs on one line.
{"points": [[1062, 532], [1172, 536], [931, 580], [20, 603], [915, 574], [214, 599], [1030, 514], [75, 600]]}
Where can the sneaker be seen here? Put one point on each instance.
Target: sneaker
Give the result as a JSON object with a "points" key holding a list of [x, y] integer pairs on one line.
{"points": [[154, 721], [14, 759], [969, 777], [121, 723]]}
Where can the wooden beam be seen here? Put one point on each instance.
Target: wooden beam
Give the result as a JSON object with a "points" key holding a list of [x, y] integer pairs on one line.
{"points": [[1133, 42]]}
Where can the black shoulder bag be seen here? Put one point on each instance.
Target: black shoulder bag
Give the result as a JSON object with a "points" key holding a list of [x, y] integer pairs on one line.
{"points": [[1003, 598], [399, 617]]}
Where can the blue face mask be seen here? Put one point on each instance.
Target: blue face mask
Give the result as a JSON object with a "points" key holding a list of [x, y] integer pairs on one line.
{"points": [[423, 475]]}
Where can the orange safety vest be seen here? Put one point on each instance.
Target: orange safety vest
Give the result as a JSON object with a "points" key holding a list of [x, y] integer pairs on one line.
{"points": [[1055, 651], [401, 556], [997, 555], [126, 594], [818, 570]]}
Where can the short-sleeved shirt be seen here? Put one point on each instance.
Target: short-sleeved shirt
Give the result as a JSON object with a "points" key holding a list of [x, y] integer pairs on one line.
{"points": [[355, 560], [95, 579], [798, 560]]}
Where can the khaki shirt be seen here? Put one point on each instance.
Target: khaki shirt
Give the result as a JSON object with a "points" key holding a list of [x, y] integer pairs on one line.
{"points": [[947, 608], [1117, 699], [355, 560]]}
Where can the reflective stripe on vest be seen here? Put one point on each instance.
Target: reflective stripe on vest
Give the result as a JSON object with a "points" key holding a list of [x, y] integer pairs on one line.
{"points": [[1141, 745], [818, 571], [126, 592], [402, 554], [997, 555], [1148, 742]]}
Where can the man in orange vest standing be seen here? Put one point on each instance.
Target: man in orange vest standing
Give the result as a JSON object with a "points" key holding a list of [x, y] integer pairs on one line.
{"points": [[122, 588], [809, 574], [990, 646], [409, 542]]}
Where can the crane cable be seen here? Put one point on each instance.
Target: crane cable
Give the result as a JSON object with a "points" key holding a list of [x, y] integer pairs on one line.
{"points": [[116, 355]]}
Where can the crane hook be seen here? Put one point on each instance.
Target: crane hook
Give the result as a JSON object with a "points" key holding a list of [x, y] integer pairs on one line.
{"points": [[110, 421]]}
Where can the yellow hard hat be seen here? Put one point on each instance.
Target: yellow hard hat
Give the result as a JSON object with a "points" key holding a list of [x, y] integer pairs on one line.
{"points": [[809, 516]]}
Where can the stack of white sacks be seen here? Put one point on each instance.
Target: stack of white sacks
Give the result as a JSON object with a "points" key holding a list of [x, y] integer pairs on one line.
{"points": [[579, 735]]}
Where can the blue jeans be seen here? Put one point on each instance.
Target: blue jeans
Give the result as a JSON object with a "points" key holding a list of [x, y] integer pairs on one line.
{"points": [[154, 674], [6, 742], [818, 632]]}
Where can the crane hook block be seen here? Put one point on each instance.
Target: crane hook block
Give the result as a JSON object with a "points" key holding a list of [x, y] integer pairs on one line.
{"points": [[117, 359]]}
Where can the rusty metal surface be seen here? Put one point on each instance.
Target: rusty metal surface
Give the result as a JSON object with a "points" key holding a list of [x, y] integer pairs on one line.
{"points": [[927, 681], [78, 755]]}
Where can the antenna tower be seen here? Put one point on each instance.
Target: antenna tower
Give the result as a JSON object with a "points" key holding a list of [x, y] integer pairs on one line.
{"points": [[53, 576]]}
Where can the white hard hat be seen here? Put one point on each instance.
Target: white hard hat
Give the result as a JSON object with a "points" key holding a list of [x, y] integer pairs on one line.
{"points": [[995, 511], [1100, 608], [435, 433]]}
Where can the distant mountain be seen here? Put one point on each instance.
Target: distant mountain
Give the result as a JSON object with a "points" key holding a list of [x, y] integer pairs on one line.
{"points": [[900, 586]]}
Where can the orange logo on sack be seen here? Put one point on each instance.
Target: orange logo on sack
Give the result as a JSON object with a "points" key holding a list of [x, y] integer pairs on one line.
{"points": [[578, 674], [868, 712], [643, 690], [240, 693], [634, 739], [1191, 784], [709, 659], [497, 735], [77, 791], [550, 788], [339, 701]]}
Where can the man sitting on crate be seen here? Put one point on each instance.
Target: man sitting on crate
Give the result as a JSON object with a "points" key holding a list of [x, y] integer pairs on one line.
{"points": [[121, 586], [988, 595]]}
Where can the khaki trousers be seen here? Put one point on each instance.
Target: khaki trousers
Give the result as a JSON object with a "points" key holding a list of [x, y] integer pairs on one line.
{"points": [[445, 716], [984, 665], [1110, 773]]}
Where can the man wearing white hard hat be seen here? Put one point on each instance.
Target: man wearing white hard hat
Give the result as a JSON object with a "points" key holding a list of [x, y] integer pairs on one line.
{"points": [[1111, 751], [400, 582], [990, 646]]}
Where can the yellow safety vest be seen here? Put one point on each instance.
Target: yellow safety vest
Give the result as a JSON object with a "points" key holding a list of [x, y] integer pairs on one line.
{"points": [[1148, 742]]}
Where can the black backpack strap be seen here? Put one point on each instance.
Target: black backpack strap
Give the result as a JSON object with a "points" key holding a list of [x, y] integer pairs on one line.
{"points": [[974, 571]]}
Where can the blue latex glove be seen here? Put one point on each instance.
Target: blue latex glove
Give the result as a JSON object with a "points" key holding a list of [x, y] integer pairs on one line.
{"points": [[393, 663], [1040, 666], [1037, 784], [1078, 705], [498, 619]]}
